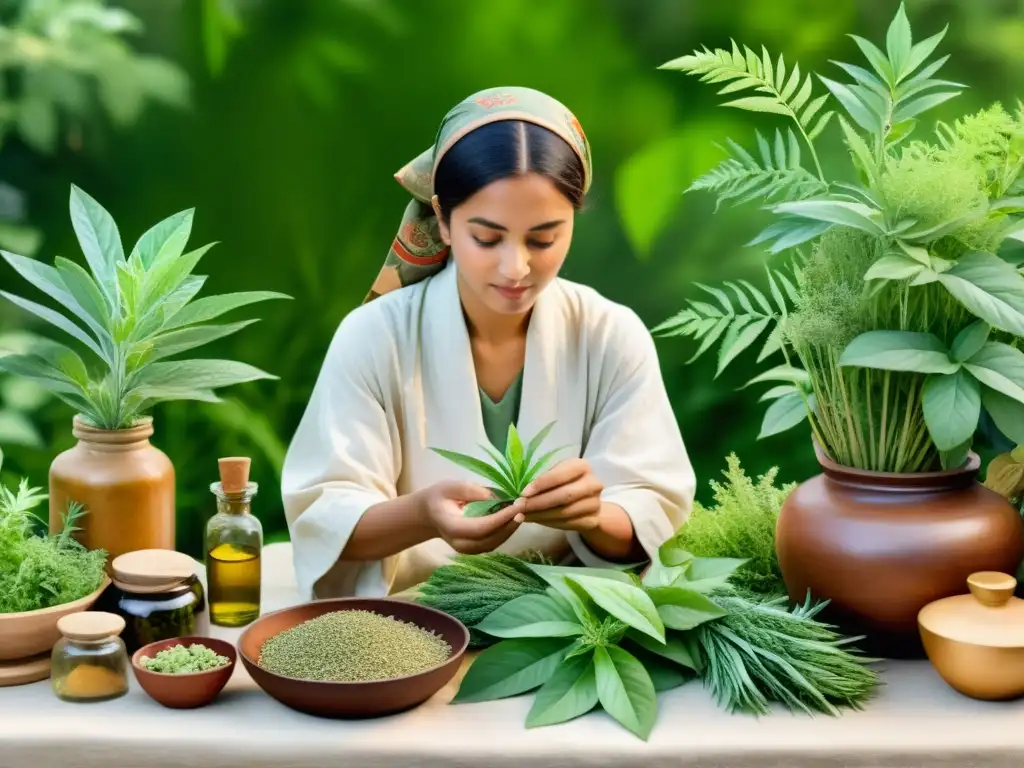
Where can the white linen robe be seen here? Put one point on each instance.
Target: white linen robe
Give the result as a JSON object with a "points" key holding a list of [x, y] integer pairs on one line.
{"points": [[399, 379]]}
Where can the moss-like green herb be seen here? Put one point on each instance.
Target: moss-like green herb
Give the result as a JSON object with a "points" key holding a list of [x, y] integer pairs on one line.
{"points": [[180, 659], [741, 523], [353, 646], [38, 570]]}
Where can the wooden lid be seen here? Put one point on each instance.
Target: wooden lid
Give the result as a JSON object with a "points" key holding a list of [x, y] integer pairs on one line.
{"points": [[234, 473], [989, 616], [152, 568], [90, 625]]}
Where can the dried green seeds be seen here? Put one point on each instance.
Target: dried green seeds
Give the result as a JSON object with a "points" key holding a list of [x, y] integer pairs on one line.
{"points": [[353, 646]]}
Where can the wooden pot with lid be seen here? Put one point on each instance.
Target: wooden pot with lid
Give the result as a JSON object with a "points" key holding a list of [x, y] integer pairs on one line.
{"points": [[976, 641]]}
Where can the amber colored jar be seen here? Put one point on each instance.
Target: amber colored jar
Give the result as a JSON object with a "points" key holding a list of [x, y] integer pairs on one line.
{"points": [[89, 662], [125, 483], [881, 546], [159, 596]]}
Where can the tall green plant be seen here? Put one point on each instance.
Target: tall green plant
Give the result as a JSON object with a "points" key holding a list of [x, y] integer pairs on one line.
{"points": [[901, 323], [130, 313]]}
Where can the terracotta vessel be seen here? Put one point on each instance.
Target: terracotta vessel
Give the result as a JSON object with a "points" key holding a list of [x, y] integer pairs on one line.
{"points": [[189, 690], [126, 485], [976, 641], [27, 638], [880, 546]]}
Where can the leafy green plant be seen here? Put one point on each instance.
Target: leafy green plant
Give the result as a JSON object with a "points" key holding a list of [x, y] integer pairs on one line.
{"points": [[901, 324], [510, 473], [740, 523], [40, 571], [131, 313]]}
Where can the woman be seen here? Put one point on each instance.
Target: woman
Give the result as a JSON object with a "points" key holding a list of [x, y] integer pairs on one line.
{"points": [[447, 352]]}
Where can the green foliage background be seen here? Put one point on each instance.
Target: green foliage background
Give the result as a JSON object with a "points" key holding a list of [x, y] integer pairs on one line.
{"points": [[299, 111]]}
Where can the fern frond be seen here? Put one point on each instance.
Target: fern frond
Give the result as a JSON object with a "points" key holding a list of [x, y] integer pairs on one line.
{"points": [[745, 70], [779, 177], [738, 322]]}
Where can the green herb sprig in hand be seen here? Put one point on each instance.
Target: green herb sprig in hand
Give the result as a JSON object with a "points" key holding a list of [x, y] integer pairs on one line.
{"points": [[510, 473]]}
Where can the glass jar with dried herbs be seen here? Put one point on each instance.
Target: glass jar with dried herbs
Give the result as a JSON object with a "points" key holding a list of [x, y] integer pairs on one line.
{"points": [[159, 596], [234, 542], [90, 661]]}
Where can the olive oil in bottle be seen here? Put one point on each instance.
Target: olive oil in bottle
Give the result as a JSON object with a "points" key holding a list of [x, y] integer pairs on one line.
{"points": [[234, 542]]}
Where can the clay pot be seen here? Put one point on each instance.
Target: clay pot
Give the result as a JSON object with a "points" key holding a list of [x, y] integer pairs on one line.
{"points": [[881, 546], [126, 485]]}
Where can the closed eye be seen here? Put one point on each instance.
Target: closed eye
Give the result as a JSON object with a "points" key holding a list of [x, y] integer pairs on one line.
{"points": [[486, 243]]}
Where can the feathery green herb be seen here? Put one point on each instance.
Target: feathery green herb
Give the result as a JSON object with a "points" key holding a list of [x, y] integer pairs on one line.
{"points": [[741, 523], [130, 313], [40, 570], [903, 323], [509, 474]]}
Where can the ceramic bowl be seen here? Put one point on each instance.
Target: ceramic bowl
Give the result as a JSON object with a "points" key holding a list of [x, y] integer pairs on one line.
{"points": [[361, 699], [189, 690], [26, 639]]}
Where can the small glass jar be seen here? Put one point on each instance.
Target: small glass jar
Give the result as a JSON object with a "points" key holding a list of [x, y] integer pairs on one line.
{"points": [[160, 597], [90, 661]]}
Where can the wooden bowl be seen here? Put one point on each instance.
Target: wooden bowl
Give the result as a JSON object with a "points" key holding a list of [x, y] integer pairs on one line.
{"points": [[27, 638], [359, 699], [188, 690]]}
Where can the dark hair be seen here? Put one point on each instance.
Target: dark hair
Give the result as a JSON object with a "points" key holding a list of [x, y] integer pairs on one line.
{"points": [[505, 148]]}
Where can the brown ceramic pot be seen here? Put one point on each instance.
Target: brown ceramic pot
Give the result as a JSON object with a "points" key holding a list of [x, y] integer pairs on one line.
{"points": [[880, 546], [126, 485]]}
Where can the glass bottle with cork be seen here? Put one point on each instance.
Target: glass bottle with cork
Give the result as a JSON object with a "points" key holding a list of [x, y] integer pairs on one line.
{"points": [[234, 543]]}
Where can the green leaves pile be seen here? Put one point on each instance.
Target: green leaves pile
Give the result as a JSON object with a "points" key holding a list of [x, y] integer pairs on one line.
{"points": [[900, 325], [130, 313], [609, 638], [41, 571], [509, 474]]}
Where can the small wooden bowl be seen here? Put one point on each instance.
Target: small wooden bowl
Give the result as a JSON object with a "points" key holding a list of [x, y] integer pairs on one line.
{"points": [[191, 689], [361, 699]]}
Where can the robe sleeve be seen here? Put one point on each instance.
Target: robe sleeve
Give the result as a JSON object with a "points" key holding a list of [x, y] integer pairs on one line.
{"points": [[343, 459], [635, 447]]}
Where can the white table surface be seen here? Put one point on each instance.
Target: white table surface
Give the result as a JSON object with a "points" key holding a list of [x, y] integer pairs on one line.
{"points": [[914, 720]]}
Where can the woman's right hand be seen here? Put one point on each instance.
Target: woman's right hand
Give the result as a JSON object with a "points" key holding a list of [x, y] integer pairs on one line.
{"points": [[441, 508]]}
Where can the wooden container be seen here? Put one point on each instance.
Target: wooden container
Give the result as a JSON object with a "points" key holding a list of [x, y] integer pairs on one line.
{"points": [[126, 485], [976, 641]]}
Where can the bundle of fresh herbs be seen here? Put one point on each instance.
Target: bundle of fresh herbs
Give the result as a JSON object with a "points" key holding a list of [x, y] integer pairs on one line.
{"points": [[901, 326], [741, 523], [510, 473], [580, 637], [38, 570]]}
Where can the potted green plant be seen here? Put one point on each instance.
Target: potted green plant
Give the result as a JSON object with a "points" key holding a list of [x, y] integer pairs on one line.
{"points": [[896, 321], [130, 314]]}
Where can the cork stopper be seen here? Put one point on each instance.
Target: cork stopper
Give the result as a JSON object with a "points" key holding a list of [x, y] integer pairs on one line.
{"points": [[234, 474], [90, 625], [152, 570]]}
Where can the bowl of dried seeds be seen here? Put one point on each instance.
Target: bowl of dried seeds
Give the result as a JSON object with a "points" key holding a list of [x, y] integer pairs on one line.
{"points": [[353, 657]]}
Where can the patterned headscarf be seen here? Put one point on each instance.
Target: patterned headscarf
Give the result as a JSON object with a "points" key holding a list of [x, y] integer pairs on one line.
{"points": [[418, 250]]}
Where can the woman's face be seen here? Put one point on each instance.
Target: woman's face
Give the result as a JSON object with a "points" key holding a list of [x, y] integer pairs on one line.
{"points": [[509, 240]]}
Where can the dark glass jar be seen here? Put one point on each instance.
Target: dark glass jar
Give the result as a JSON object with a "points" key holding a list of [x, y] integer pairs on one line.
{"points": [[159, 596]]}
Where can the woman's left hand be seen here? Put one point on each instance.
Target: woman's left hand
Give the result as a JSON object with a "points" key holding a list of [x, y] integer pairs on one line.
{"points": [[566, 497]]}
